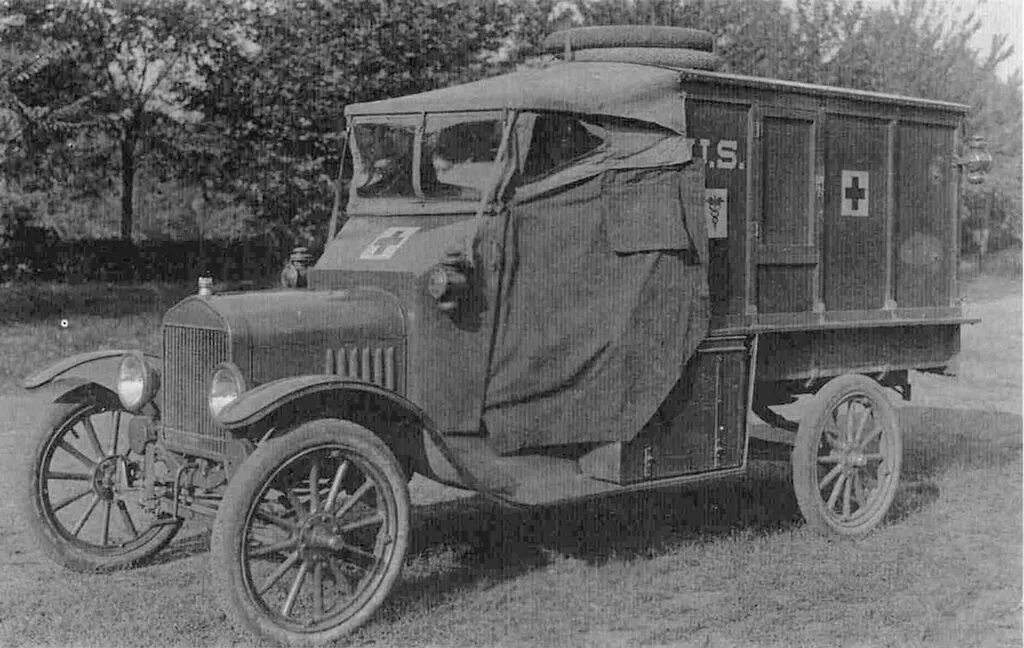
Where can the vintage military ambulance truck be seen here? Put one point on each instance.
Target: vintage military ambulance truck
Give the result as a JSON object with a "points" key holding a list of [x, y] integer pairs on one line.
{"points": [[574, 280]]}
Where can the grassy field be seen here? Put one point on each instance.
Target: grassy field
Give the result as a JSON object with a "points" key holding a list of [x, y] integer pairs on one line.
{"points": [[727, 566], [43, 322]]}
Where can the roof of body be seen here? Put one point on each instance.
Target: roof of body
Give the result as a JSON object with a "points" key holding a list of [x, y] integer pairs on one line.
{"points": [[645, 92], [624, 90]]}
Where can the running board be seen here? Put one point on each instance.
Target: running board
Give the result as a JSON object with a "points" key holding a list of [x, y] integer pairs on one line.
{"points": [[538, 479]]}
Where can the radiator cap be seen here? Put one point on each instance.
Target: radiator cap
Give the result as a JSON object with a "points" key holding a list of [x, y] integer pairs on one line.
{"points": [[205, 286]]}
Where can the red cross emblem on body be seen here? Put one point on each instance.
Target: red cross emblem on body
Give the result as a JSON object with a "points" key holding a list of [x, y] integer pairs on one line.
{"points": [[854, 194], [387, 243]]}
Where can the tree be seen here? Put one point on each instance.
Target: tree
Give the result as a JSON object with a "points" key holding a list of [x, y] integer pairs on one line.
{"points": [[243, 97], [23, 128], [137, 69], [282, 111], [22, 124]]}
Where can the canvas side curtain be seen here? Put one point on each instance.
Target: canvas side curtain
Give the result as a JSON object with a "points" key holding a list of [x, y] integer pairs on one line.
{"points": [[603, 301]]}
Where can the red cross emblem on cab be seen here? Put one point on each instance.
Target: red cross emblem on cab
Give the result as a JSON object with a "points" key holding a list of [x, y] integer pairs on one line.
{"points": [[387, 243], [855, 194]]}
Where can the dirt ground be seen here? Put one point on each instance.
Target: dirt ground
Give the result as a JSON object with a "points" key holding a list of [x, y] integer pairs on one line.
{"points": [[727, 567]]}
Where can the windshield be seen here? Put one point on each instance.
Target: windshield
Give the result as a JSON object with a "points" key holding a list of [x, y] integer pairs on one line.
{"points": [[457, 156], [383, 160]]}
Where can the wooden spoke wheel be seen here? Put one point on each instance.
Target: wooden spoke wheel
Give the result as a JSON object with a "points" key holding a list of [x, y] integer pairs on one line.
{"points": [[311, 534], [846, 462], [83, 488]]}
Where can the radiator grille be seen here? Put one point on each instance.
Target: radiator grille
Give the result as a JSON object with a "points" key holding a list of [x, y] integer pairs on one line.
{"points": [[190, 354], [372, 364]]}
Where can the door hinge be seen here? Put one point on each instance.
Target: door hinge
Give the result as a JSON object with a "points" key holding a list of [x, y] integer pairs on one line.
{"points": [[757, 129], [648, 462]]}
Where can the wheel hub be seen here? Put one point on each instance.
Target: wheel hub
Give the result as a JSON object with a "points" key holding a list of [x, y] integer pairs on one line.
{"points": [[321, 533], [853, 460], [105, 477]]}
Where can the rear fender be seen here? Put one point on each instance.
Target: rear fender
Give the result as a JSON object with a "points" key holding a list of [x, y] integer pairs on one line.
{"points": [[97, 367], [280, 405]]}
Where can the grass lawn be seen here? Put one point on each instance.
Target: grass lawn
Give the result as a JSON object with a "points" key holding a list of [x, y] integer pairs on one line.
{"points": [[43, 322], [725, 566]]}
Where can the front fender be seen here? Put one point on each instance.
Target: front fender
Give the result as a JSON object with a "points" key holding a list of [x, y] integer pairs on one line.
{"points": [[257, 403], [441, 463], [99, 367]]}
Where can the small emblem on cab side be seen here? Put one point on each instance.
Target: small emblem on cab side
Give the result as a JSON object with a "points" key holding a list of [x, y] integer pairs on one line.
{"points": [[387, 243]]}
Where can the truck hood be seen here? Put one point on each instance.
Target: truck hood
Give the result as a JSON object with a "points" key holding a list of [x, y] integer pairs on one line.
{"points": [[280, 333]]}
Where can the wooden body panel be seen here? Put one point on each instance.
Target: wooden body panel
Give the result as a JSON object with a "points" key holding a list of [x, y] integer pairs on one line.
{"points": [[854, 249], [700, 428], [837, 202], [925, 246], [799, 355]]}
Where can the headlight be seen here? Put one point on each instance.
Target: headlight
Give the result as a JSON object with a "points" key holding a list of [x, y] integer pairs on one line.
{"points": [[226, 385], [437, 283], [137, 382], [448, 282]]}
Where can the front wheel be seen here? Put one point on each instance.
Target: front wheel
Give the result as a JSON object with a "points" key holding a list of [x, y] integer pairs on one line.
{"points": [[311, 534], [846, 462], [83, 487]]}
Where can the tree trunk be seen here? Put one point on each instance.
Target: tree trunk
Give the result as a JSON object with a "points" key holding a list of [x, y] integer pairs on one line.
{"points": [[127, 182]]}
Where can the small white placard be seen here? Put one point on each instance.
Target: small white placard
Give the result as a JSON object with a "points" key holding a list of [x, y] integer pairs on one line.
{"points": [[387, 243], [854, 193], [716, 209]]}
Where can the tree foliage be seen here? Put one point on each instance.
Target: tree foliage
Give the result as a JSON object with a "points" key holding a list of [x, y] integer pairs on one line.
{"points": [[136, 71], [282, 110], [239, 103]]}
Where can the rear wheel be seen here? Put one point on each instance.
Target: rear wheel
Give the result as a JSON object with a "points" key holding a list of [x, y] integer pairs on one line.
{"points": [[311, 534], [847, 458], [83, 487]]}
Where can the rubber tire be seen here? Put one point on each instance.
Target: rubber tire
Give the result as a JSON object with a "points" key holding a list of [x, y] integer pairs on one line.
{"points": [[49, 539], [629, 36], [677, 58], [229, 527], [805, 454]]}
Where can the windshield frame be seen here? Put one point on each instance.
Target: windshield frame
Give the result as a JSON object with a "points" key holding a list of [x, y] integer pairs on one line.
{"points": [[419, 204]]}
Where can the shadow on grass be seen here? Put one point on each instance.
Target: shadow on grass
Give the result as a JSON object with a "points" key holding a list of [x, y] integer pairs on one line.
{"points": [[936, 440], [489, 543], [492, 543], [189, 542]]}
